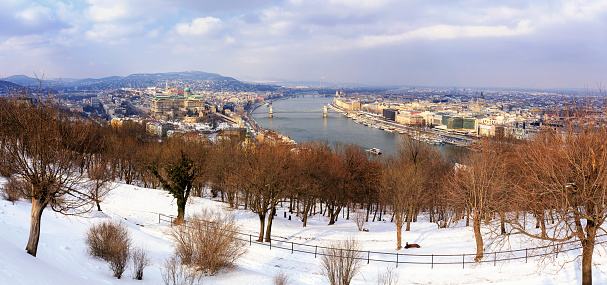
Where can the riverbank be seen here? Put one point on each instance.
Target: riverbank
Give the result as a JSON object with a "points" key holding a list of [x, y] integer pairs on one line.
{"points": [[424, 134], [301, 118]]}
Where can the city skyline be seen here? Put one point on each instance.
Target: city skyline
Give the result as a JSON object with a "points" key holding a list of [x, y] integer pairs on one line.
{"points": [[543, 44]]}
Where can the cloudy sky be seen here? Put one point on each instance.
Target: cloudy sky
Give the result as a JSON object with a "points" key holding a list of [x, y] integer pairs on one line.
{"points": [[505, 43]]}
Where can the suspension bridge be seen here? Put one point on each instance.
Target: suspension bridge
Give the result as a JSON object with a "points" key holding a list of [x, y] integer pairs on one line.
{"points": [[325, 111]]}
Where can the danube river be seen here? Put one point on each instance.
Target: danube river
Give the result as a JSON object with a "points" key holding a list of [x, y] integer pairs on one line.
{"points": [[336, 127]]}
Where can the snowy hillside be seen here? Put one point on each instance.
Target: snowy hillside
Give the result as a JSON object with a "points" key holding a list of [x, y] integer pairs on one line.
{"points": [[62, 257]]}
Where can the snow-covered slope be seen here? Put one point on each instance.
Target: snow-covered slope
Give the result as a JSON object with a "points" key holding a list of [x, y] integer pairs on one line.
{"points": [[62, 257]]}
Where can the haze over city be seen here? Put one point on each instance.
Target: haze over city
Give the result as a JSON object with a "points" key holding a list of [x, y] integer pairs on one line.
{"points": [[527, 44]]}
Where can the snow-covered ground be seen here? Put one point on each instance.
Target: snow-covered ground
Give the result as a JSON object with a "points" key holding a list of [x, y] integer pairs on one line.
{"points": [[62, 257]]}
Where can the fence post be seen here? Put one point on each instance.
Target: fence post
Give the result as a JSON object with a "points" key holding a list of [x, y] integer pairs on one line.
{"points": [[270, 245], [291, 247], [315, 250], [159, 218], [397, 260], [494, 258], [368, 253], [525, 255], [432, 267], [250, 240], [463, 260]]}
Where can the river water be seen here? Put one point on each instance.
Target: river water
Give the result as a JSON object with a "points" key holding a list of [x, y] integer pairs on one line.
{"points": [[336, 127]]}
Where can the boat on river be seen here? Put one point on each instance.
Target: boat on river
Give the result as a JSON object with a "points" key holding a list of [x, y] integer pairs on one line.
{"points": [[374, 151]]}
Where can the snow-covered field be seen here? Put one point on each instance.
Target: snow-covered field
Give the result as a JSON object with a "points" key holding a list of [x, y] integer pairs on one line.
{"points": [[62, 257]]}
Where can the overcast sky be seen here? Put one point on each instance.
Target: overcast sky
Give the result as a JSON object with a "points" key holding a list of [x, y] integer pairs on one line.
{"points": [[507, 43]]}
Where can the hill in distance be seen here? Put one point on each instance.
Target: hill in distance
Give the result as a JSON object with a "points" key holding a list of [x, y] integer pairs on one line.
{"points": [[196, 79]]}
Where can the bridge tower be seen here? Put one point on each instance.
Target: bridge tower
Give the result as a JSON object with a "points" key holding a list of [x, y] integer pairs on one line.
{"points": [[325, 111], [271, 112]]}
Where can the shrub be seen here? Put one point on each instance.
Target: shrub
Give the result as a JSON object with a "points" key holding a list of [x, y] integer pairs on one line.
{"points": [[208, 242], [341, 261], [359, 218], [13, 189], [175, 273], [140, 260], [389, 277], [111, 242], [281, 278]]}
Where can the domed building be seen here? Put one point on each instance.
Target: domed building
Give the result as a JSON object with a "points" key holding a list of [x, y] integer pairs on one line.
{"points": [[173, 106]]}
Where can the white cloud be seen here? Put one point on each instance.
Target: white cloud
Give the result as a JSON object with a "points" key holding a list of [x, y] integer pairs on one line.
{"points": [[199, 26], [112, 33], [108, 10], [439, 32], [34, 15]]}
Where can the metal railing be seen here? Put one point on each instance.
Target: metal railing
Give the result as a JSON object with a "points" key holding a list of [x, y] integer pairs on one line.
{"points": [[407, 258]]}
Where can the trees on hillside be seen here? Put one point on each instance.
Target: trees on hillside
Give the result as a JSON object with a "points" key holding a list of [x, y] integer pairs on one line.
{"points": [[474, 185], [404, 181], [564, 172], [266, 175], [47, 149]]}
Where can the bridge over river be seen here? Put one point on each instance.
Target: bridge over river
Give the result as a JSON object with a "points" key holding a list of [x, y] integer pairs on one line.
{"points": [[324, 111]]}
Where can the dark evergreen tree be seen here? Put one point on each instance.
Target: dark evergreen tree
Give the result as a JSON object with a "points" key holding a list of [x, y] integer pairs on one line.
{"points": [[178, 182]]}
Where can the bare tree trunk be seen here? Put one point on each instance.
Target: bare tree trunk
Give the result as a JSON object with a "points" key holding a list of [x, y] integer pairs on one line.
{"points": [[587, 251], [181, 203], [503, 223], [476, 225], [262, 223], [38, 206], [399, 231], [333, 215], [269, 227], [409, 218]]}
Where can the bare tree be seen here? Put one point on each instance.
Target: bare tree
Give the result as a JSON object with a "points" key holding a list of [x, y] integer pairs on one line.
{"points": [[404, 182], [563, 171], [46, 148], [266, 175], [475, 184], [99, 176]]}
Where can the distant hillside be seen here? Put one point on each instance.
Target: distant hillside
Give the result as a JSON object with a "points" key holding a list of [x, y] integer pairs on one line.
{"points": [[196, 80], [23, 80], [8, 87]]}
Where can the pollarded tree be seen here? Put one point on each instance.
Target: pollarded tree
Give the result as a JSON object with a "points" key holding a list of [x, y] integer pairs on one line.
{"points": [[46, 148]]}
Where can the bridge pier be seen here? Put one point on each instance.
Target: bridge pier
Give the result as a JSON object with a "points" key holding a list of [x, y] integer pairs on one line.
{"points": [[271, 112], [325, 111]]}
